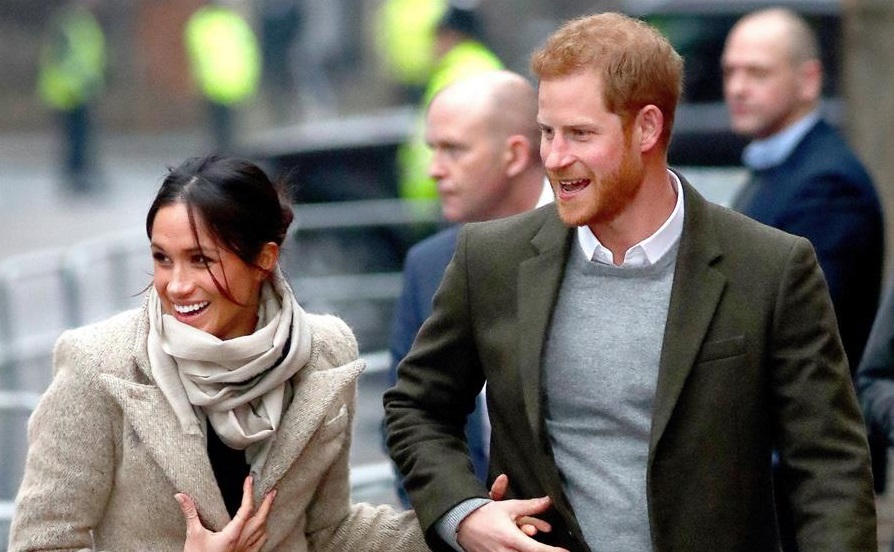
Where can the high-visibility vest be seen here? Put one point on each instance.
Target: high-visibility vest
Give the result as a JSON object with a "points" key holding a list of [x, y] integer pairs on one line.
{"points": [[464, 59], [405, 38], [224, 54], [413, 157], [72, 59]]}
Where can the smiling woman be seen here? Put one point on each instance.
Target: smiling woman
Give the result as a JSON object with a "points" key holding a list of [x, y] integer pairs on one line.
{"points": [[164, 426]]}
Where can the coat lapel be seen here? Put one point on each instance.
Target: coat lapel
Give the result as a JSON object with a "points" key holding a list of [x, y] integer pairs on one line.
{"points": [[183, 457], [316, 393], [695, 294], [539, 278]]}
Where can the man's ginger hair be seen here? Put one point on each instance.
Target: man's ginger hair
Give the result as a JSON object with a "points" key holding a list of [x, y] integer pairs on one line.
{"points": [[636, 64]]}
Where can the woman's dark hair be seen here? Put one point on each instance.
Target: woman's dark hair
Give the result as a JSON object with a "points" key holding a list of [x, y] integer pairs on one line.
{"points": [[238, 203]]}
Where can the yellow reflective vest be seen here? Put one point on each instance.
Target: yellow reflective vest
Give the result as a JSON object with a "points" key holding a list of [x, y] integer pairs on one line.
{"points": [[72, 59], [224, 54], [405, 38]]}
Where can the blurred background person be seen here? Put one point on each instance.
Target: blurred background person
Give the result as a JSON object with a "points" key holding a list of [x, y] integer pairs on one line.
{"points": [[875, 377], [320, 51], [71, 74], [404, 35], [281, 22], [804, 178], [483, 134], [225, 61], [459, 51]]}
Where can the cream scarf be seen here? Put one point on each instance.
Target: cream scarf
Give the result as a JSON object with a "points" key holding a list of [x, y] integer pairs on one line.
{"points": [[243, 384]]}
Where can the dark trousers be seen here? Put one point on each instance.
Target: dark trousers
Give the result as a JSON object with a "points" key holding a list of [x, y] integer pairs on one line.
{"points": [[78, 166], [221, 118]]}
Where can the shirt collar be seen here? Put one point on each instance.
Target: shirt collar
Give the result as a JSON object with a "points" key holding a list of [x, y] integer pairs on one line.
{"points": [[647, 252], [769, 152]]}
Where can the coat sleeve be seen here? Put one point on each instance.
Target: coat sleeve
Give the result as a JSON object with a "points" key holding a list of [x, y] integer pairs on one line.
{"points": [[426, 411], [69, 470], [824, 456], [334, 524]]}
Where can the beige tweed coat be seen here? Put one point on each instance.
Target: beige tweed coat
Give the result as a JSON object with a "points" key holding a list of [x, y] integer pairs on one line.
{"points": [[107, 454]]}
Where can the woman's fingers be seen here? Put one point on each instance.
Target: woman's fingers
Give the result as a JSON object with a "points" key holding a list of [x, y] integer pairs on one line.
{"points": [[248, 502], [266, 505], [246, 532], [499, 488], [254, 533], [188, 507], [531, 525]]}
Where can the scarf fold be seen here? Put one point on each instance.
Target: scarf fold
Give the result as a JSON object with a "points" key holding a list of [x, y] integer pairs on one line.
{"points": [[241, 385]]}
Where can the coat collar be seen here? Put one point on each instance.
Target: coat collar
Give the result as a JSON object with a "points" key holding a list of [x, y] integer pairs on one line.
{"points": [[184, 457], [695, 293], [539, 279]]}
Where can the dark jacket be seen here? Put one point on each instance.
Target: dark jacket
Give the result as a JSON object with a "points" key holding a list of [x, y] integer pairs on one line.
{"points": [[823, 193]]}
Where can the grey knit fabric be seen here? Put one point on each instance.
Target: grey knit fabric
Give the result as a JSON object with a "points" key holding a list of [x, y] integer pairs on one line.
{"points": [[600, 369]]}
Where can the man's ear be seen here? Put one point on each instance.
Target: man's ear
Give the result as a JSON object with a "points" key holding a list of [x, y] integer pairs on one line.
{"points": [[649, 124], [517, 155], [810, 77]]}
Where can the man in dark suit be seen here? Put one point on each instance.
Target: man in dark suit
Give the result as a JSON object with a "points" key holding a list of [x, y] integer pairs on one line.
{"points": [[483, 135], [805, 179], [644, 350]]}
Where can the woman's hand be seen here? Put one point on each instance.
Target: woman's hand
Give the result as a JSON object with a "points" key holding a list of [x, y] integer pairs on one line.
{"points": [[528, 524], [246, 532]]}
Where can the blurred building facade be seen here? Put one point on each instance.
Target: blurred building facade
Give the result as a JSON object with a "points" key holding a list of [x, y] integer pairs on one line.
{"points": [[149, 87]]}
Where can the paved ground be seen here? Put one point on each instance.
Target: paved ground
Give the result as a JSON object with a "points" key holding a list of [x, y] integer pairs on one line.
{"points": [[35, 210], [36, 214]]}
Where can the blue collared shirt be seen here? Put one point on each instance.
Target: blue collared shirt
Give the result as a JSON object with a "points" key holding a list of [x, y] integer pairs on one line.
{"points": [[772, 151]]}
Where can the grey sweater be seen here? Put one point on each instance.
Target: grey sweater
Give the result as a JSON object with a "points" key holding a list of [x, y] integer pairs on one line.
{"points": [[600, 370]]}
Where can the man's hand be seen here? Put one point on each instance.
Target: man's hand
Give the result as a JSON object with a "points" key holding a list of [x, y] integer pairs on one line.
{"points": [[246, 532], [497, 526]]}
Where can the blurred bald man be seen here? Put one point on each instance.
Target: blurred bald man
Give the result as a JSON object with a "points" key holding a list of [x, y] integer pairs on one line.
{"points": [[485, 141], [804, 178]]}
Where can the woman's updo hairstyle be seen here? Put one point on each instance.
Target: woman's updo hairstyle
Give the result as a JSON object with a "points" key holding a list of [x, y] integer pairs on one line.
{"points": [[239, 204]]}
